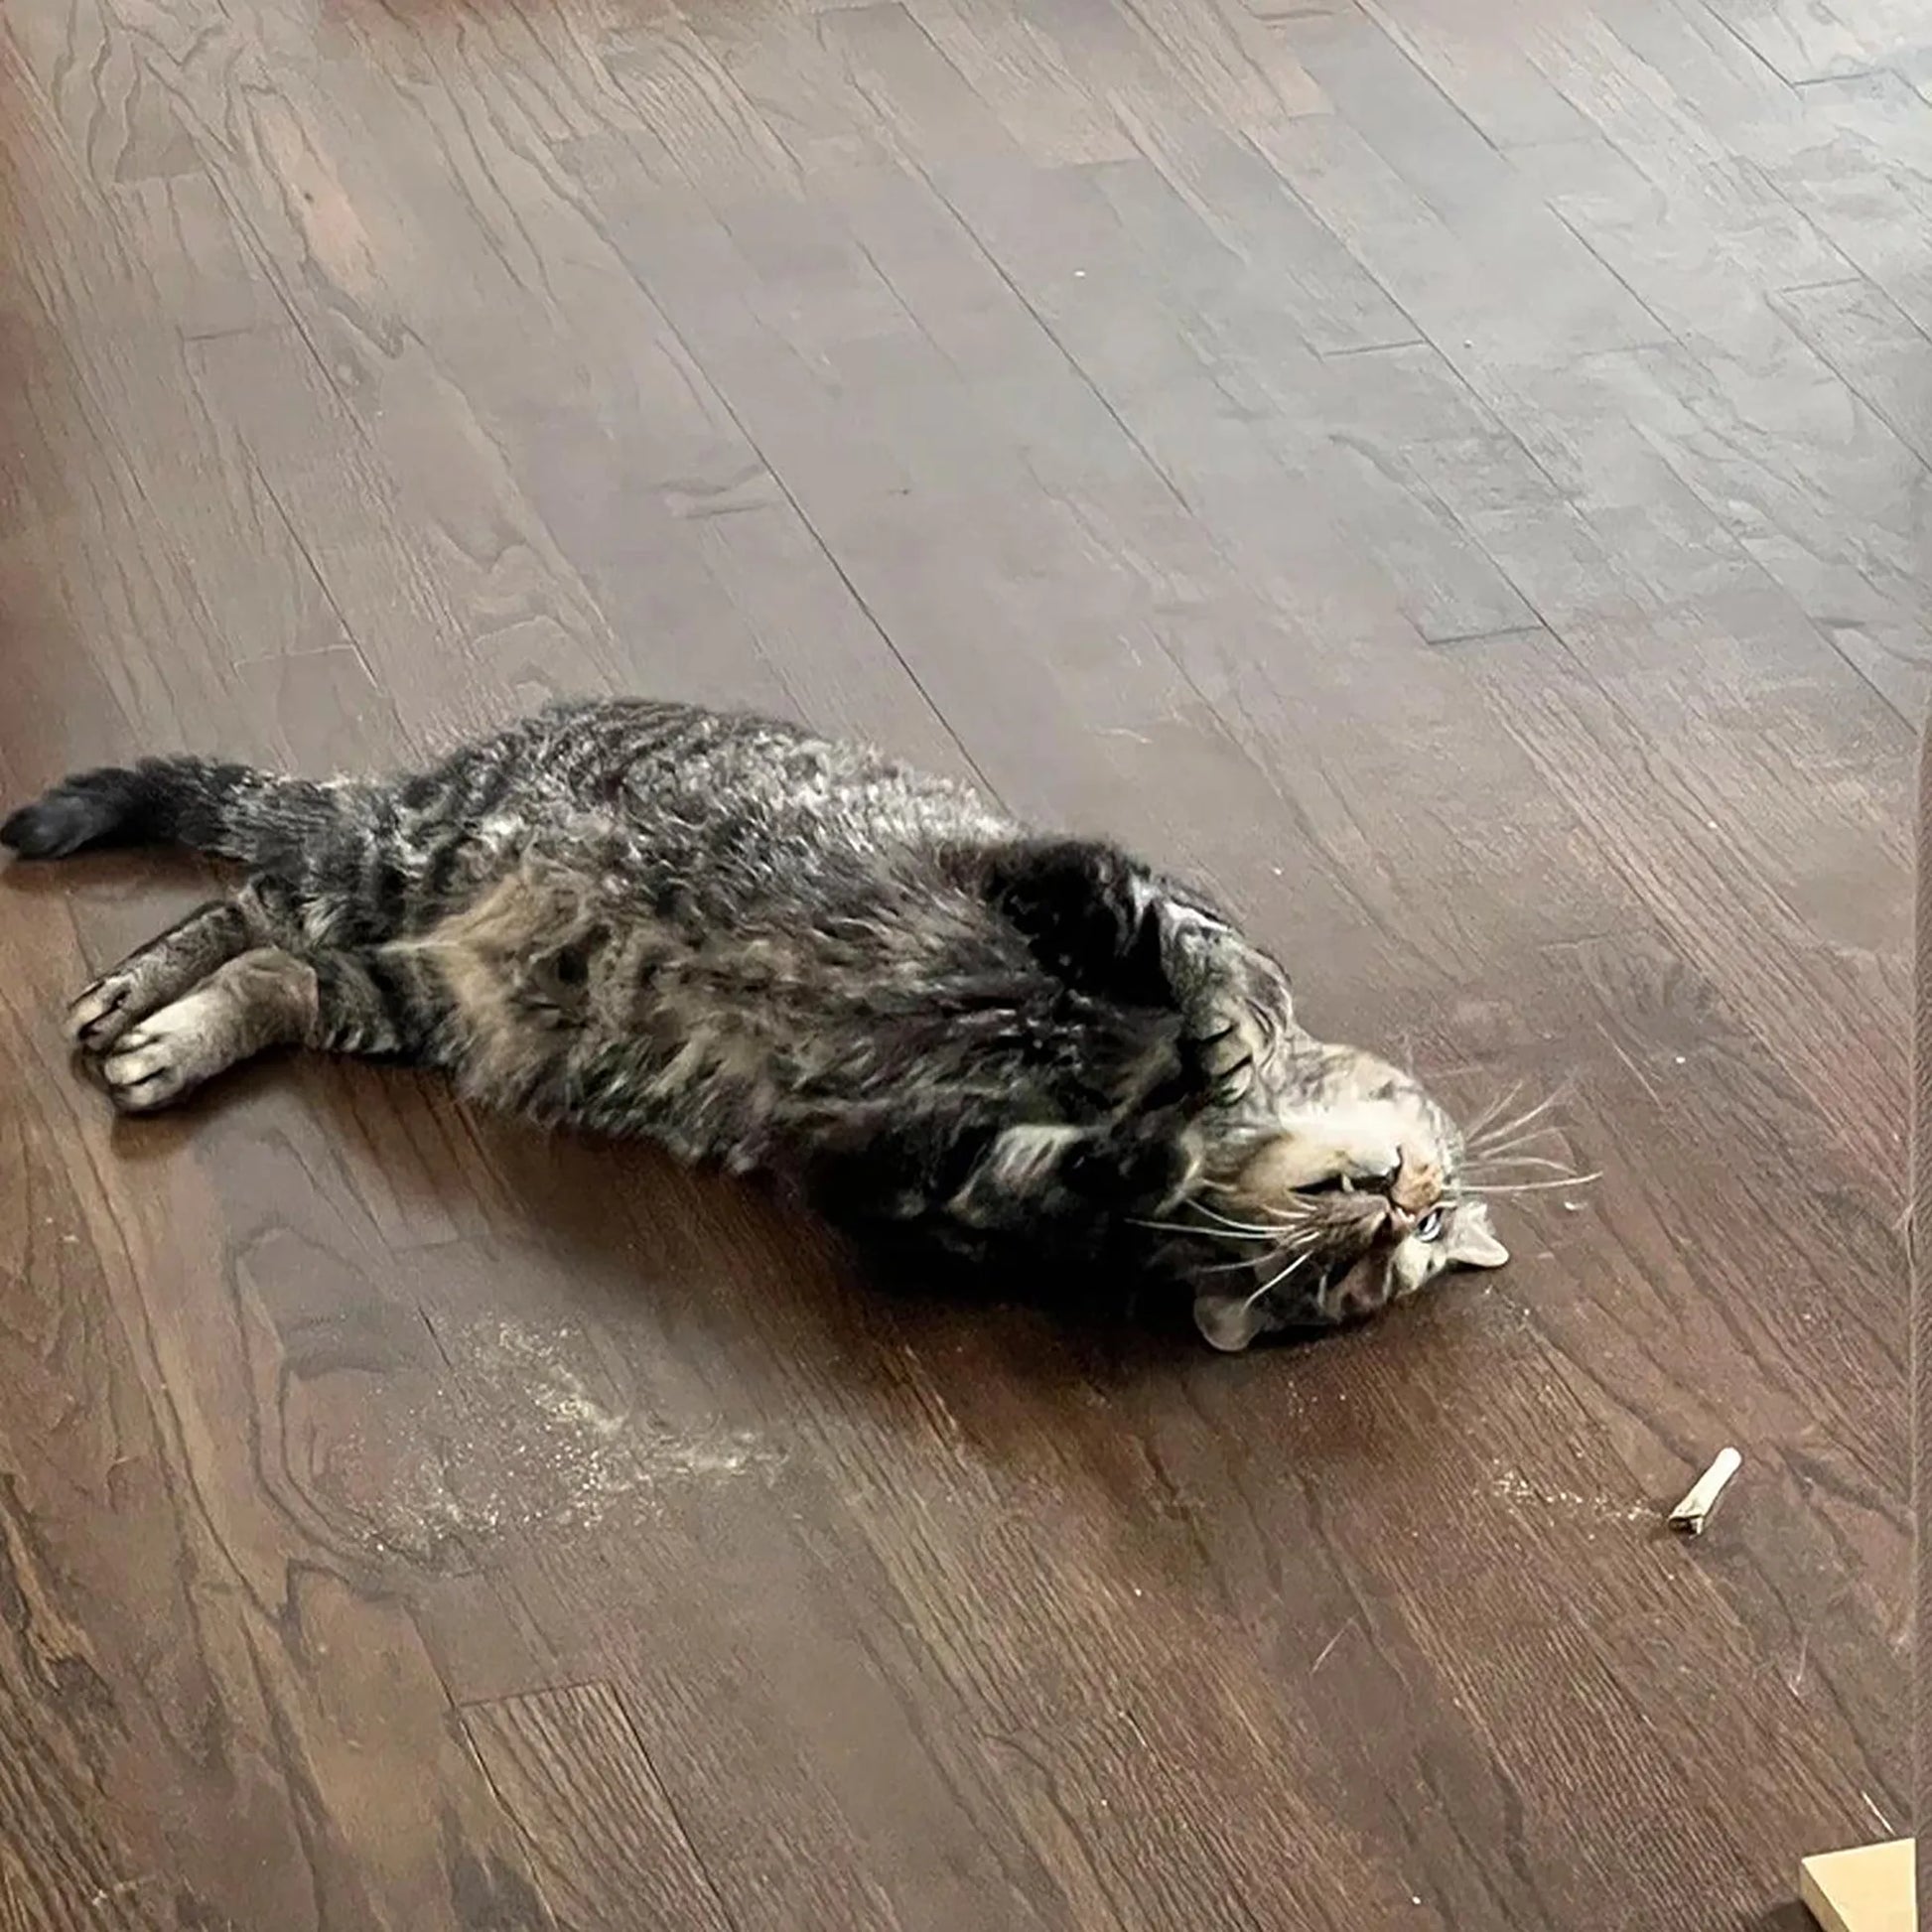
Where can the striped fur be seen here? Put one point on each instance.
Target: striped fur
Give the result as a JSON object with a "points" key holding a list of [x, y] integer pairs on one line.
{"points": [[768, 951]]}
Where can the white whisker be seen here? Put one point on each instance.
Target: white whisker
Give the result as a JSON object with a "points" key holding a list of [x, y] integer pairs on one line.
{"points": [[1295, 1216], [1241, 1261], [1264, 1235], [1246, 1227], [1274, 1281], [1521, 1129], [1537, 1186], [1509, 1124], [1491, 1134], [1515, 1143], [1300, 1244], [1505, 1099], [1513, 1161]]}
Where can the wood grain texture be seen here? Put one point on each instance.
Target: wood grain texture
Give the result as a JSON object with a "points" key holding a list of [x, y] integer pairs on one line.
{"points": [[609, 1851], [1453, 474]]}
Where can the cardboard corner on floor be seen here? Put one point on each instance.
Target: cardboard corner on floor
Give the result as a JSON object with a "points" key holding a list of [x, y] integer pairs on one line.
{"points": [[1866, 1889]]}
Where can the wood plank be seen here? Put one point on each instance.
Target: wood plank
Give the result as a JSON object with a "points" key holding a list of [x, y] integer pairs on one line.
{"points": [[1449, 474], [609, 1850]]}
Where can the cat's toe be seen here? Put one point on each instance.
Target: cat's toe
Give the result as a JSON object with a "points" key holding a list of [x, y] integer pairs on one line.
{"points": [[1222, 1043], [149, 1069], [1225, 1056], [101, 1014], [1232, 1086]]}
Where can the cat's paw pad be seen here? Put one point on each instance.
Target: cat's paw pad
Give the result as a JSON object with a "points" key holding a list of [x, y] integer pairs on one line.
{"points": [[101, 1013], [164, 1058]]}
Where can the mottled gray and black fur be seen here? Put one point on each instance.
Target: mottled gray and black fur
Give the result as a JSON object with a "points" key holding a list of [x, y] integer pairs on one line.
{"points": [[776, 952]]}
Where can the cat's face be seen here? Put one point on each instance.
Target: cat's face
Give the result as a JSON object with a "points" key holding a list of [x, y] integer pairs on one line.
{"points": [[1336, 1189]]}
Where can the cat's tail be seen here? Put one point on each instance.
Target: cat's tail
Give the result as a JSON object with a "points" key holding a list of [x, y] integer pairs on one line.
{"points": [[233, 812]]}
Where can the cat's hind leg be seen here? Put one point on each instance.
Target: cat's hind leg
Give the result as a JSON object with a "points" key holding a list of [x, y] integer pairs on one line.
{"points": [[376, 1003], [260, 997], [168, 967]]}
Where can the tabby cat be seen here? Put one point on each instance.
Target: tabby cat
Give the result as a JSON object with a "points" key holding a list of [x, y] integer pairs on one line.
{"points": [[765, 949]]}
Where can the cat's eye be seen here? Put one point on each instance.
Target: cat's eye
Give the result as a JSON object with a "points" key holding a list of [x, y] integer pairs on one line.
{"points": [[1430, 1225]]}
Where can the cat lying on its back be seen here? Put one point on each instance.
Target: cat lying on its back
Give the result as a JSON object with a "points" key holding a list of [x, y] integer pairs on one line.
{"points": [[763, 948]]}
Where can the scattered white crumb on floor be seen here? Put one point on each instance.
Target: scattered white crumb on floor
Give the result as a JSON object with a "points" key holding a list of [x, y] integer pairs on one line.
{"points": [[1514, 1486], [519, 1440]]}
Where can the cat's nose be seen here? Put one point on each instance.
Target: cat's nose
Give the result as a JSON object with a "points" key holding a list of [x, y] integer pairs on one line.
{"points": [[1417, 1187], [1380, 1177]]}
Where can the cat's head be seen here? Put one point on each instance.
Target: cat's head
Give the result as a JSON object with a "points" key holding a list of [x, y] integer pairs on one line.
{"points": [[1335, 1187]]}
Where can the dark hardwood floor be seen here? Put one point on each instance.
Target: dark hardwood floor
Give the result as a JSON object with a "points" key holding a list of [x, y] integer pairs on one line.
{"points": [[1451, 474]]}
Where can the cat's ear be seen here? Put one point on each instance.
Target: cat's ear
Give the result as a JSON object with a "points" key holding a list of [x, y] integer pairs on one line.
{"points": [[1228, 1322], [1472, 1241]]}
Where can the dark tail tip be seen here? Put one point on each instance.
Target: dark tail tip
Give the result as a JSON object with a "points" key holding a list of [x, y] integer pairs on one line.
{"points": [[89, 809]]}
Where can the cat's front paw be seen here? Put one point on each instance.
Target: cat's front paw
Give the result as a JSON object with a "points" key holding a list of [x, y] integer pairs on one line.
{"points": [[101, 1013], [1235, 1003], [1224, 1047], [1234, 1025]]}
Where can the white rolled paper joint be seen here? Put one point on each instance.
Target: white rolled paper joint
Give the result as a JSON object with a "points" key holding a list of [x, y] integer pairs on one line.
{"points": [[1691, 1514]]}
